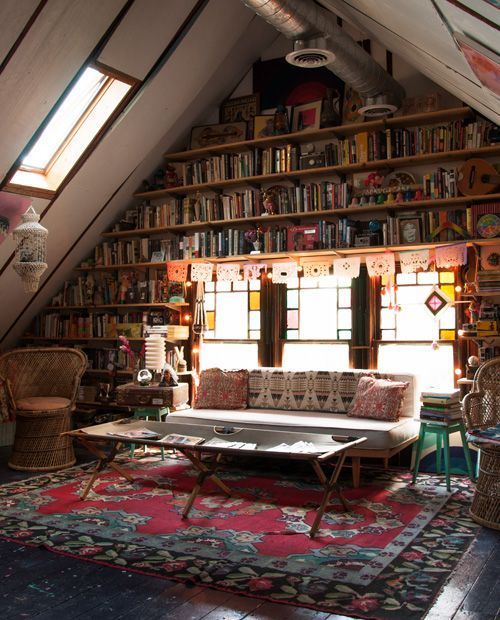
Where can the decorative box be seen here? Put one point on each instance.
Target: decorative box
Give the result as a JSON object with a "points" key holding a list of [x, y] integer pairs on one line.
{"points": [[133, 395]]}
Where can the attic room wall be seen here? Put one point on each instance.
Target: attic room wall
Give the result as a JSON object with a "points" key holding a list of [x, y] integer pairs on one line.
{"points": [[201, 72], [198, 75], [410, 78]]}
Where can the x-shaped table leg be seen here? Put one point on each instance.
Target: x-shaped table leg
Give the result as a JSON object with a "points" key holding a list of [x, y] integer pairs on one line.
{"points": [[329, 485], [105, 460], [204, 473]]}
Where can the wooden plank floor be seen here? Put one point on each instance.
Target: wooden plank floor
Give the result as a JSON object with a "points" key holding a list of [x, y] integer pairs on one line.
{"points": [[35, 583]]}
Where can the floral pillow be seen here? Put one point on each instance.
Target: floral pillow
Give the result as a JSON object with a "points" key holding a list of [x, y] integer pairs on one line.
{"points": [[222, 389], [380, 399]]}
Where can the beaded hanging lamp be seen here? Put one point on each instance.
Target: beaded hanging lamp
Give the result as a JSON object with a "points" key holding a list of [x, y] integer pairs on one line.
{"points": [[31, 250]]}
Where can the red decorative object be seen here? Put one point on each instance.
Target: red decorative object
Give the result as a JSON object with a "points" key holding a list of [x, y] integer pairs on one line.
{"points": [[222, 389], [379, 399]]}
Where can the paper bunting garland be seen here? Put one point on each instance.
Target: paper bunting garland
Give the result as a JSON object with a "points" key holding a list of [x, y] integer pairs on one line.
{"points": [[347, 267], [252, 271], [448, 256], [282, 272], [228, 272], [177, 272], [413, 260], [316, 268], [202, 272], [381, 264]]}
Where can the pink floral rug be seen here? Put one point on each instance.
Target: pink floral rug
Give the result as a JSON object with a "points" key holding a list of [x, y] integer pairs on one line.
{"points": [[385, 558]]}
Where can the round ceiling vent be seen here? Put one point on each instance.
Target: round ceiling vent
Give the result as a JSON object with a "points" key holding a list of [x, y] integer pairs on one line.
{"points": [[310, 54], [380, 105]]}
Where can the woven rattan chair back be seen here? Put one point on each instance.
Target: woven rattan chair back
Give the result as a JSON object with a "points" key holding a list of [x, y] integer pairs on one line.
{"points": [[482, 410], [482, 404], [43, 371]]}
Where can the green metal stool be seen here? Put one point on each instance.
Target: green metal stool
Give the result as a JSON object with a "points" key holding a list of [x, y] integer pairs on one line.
{"points": [[149, 413], [442, 432]]}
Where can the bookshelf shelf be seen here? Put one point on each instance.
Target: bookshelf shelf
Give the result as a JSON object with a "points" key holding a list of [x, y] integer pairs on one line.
{"points": [[386, 164], [306, 253], [166, 305], [439, 203], [340, 131]]}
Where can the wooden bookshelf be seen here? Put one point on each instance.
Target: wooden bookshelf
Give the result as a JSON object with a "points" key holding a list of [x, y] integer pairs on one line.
{"points": [[385, 164], [439, 203], [161, 306], [340, 131]]}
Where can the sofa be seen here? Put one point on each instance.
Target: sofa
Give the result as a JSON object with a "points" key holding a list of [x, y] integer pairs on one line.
{"points": [[316, 402]]}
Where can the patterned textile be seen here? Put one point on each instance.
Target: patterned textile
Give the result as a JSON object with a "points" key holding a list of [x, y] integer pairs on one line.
{"points": [[312, 390], [385, 559], [379, 399], [222, 389]]}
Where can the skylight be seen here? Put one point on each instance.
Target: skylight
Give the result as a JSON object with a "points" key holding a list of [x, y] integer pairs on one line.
{"points": [[74, 124], [65, 119]]}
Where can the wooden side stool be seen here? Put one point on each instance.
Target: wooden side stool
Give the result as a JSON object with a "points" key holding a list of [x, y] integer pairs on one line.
{"points": [[442, 431], [149, 413]]}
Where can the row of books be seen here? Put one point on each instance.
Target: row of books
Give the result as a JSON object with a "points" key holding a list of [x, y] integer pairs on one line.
{"points": [[393, 143], [100, 325], [440, 406], [107, 289], [488, 281], [126, 252], [440, 184], [363, 146]]}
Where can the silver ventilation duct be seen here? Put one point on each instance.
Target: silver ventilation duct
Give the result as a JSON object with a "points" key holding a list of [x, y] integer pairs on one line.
{"points": [[319, 41]]}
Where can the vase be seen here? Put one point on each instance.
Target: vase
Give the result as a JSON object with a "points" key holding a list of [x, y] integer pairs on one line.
{"points": [[256, 247]]}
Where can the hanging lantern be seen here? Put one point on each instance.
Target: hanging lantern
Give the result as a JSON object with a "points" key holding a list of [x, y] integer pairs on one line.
{"points": [[31, 250]]}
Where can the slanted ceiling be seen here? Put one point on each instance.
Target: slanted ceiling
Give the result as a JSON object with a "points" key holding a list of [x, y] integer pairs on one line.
{"points": [[210, 45]]}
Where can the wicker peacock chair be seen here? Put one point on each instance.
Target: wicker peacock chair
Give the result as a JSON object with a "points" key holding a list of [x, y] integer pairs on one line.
{"points": [[481, 411], [43, 384]]}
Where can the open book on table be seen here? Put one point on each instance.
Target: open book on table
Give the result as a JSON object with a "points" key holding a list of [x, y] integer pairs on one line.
{"points": [[135, 433]]}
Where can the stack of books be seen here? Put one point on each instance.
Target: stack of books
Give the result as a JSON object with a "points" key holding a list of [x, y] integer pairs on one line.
{"points": [[440, 406]]}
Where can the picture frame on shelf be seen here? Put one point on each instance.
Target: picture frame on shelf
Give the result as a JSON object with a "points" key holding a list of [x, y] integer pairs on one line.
{"points": [[157, 257], [216, 135], [240, 109], [409, 230], [306, 116], [263, 125]]}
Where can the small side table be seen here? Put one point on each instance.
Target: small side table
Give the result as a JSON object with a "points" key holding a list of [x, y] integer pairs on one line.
{"points": [[149, 413], [442, 431]]}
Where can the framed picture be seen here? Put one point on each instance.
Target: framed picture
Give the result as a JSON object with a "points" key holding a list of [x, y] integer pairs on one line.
{"points": [[157, 257], [306, 116], [484, 62], [409, 230], [263, 125], [240, 109], [211, 135]]}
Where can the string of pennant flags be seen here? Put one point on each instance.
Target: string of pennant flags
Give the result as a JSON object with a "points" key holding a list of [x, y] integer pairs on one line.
{"points": [[380, 264]]}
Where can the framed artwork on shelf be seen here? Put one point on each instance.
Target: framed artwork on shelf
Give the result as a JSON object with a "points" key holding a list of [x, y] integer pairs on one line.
{"points": [[240, 109], [263, 125], [212, 135], [350, 107], [306, 116], [409, 230]]}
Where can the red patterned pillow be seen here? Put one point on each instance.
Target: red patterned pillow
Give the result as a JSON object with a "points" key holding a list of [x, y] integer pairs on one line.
{"points": [[222, 389], [380, 399]]}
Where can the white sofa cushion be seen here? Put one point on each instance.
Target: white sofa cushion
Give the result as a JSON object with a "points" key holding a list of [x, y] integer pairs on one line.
{"points": [[380, 435]]}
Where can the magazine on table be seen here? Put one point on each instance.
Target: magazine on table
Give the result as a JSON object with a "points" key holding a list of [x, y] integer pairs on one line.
{"points": [[135, 433], [183, 440], [216, 442]]}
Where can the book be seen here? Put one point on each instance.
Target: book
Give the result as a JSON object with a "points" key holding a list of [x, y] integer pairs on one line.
{"points": [[485, 435], [302, 238], [183, 440]]}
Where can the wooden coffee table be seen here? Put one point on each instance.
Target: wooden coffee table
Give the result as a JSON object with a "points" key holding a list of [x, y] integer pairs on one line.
{"points": [[208, 459]]}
